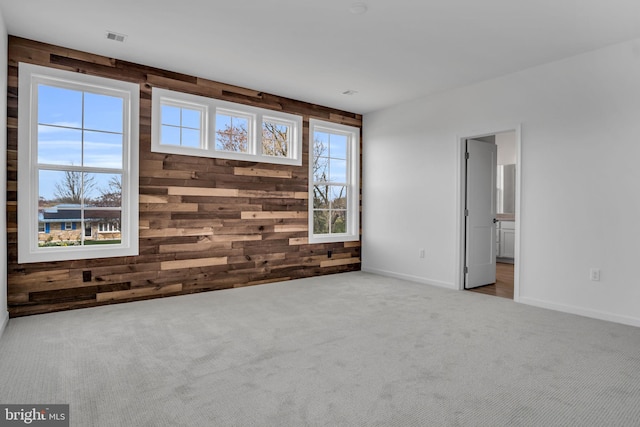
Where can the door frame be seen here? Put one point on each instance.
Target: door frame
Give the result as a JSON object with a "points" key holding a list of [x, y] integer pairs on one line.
{"points": [[461, 178]]}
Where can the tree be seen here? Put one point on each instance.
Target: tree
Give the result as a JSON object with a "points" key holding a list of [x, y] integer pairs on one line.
{"points": [[275, 139], [72, 188], [232, 138], [111, 196]]}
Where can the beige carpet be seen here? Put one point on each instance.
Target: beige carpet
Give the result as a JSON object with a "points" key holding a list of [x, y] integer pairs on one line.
{"points": [[346, 350]]}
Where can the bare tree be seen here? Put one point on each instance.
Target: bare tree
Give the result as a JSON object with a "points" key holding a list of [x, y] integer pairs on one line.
{"points": [[275, 139], [232, 138], [112, 194], [73, 187]]}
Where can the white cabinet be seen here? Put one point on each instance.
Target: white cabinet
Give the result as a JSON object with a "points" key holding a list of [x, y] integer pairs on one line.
{"points": [[506, 231]]}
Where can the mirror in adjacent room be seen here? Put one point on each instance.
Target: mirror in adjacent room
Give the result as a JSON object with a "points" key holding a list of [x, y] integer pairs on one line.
{"points": [[506, 194]]}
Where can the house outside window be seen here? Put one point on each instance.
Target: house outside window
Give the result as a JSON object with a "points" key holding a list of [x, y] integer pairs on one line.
{"points": [[77, 147], [334, 188]]}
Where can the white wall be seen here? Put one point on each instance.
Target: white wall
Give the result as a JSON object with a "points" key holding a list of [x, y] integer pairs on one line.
{"points": [[580, 202], [4, 315]]}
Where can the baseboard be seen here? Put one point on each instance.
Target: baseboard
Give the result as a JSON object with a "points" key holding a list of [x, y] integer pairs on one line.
{"points": [[409, 278], [595, 314], [4, 321]]}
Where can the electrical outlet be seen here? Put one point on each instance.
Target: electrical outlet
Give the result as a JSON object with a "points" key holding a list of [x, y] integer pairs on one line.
{"points": [[594, 274], [421, 253]]}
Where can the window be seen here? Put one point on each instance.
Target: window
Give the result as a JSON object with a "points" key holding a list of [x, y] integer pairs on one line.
{"points": [[276, 137], [40, 227], [182, 124], [334, 214], [108, 227], [232, 131], [78, 139], [199, 126]]}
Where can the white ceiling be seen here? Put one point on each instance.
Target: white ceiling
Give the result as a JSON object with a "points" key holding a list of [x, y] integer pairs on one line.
{"points": [[315, 50]]}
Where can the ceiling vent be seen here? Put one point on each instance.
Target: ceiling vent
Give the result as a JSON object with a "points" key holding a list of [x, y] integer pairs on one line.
{"points": [[115, 36]]}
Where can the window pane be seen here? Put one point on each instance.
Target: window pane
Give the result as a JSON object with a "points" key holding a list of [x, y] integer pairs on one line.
{"points": [[170, 135], [275, 139], [338, 197], [338, 221], [190, 118], [320, 222], [170, 115], [320, 144], [102, 112], [320, 169], [232, 133], [190, 138], [58, 106], [338, 170], [59, 146], [105, 189], [103, 149], [338, 147], [321, 197], [59, 187]]}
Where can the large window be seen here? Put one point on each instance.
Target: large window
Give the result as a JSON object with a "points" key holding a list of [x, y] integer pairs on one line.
{"points": [[334, 182], [207, 127], [78, 156]]}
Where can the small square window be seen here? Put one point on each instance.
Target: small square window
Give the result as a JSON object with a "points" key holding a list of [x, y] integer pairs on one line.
{"points": [[182, 125], [232, 132], [276, 138]]}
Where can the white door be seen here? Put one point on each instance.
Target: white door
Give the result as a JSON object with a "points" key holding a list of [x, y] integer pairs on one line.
{"points": [[480, 214]]}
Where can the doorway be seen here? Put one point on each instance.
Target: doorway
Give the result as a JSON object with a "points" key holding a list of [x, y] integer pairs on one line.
{"points": [[505, 251]]}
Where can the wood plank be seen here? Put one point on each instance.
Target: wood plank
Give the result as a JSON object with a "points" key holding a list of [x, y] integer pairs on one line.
{"points": [[174, 232], [138, 292], [235, 237], [168, 207], [299, 241], [336, 262], [202, 191], [192, 263], [147, 198], [272, 173], [291, 228], [202, 245], [265, 194], [273, 215]]}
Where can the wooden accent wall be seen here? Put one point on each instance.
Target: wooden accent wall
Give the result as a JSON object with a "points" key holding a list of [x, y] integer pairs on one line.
{"points": [[205, 224]]}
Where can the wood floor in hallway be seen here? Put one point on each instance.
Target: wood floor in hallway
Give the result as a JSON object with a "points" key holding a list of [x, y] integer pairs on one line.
{"points": [[504, 282]]}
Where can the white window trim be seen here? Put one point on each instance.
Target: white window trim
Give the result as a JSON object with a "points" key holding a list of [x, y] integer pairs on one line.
{"points": [[353, 186], [179, 103], [211, 107], [28, 250]]}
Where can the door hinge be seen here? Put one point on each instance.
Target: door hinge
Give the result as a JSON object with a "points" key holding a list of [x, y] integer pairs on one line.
{"points": [[466, 270], [466, 155], [466, 212]]}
